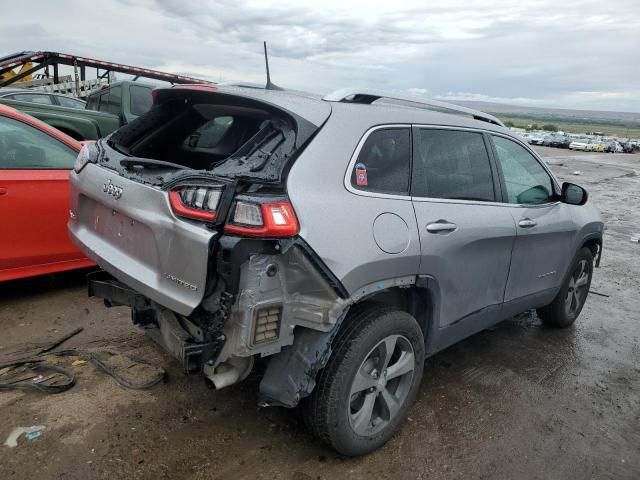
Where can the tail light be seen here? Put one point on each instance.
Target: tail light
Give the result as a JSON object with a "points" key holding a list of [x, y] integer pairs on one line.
{"points": [[198, 203], [251, 219]]}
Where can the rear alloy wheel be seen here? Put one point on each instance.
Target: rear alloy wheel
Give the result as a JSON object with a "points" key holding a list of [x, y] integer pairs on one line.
{"points": [[372, 378], [567, 305], [381, 385]]}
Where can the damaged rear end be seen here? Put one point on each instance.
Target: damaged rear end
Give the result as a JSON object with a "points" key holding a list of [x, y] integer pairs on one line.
{"points": [[186, 211]]}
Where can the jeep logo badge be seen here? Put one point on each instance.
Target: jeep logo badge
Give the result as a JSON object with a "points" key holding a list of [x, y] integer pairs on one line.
{"points": [[110, 189]]}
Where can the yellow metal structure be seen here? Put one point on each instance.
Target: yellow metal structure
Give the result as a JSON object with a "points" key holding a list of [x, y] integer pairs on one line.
{"points": [[10, 74]]}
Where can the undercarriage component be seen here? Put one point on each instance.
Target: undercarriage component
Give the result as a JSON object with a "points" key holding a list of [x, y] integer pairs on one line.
{"points": [[161, 324], [234, 370]]}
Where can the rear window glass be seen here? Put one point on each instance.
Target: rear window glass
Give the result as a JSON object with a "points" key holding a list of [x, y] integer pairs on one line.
{"points": [[141, 99], [384, 162], [452, 164]]}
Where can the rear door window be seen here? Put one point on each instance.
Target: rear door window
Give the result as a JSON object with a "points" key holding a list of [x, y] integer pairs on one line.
{"points": [[527, 181], [452, 164], [384, 162]]}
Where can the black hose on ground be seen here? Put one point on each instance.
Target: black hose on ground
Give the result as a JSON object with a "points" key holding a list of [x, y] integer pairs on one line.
{"points": [[35, 374]]}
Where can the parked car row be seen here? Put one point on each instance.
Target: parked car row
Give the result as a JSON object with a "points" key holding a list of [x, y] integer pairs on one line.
{"points": [[582, 144], [105, 110]]}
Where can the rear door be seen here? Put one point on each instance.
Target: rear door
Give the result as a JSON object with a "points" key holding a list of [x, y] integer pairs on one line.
{"points": [[34, 197], [466, 235], [545, 228]]}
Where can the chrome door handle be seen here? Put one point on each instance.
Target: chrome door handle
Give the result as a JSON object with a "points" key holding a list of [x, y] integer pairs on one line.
{"points": [[527, 223], [438, 227]]}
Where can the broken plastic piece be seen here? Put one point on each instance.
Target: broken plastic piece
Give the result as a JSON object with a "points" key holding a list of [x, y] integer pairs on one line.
{"points": [[33, 435], [12, 439]]}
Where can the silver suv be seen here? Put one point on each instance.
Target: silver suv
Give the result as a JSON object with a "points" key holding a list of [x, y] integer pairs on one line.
{"points": [[339, 240]]}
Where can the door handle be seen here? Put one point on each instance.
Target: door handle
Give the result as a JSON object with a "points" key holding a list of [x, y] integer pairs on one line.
{"points": [[3, 191], [441, 226], [527, 223]]}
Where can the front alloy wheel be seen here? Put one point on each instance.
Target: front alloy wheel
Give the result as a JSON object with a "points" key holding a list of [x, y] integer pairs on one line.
{"points": [[578, 288], [568, 303]]}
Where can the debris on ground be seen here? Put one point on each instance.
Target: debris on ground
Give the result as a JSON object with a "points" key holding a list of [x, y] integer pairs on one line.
{"points": [[577, 172], [37, 368], [635, 238], [12, 439]]}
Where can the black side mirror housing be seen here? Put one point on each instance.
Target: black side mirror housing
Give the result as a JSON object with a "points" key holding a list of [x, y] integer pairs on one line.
{"points": [[573, 194]]}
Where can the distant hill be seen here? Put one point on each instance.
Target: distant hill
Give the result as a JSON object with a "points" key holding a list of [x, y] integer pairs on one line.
{"points": [[551, 114]]}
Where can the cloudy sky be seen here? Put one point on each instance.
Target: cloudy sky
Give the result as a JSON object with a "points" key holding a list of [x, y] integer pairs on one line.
{"points": [[572, 54]]}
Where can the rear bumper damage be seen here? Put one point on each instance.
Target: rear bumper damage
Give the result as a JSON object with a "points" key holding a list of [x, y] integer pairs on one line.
{"points": [[162, 325], [270, 298]]}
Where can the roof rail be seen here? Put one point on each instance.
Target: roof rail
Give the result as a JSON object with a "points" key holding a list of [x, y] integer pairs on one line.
{"points": [[368, 96]]}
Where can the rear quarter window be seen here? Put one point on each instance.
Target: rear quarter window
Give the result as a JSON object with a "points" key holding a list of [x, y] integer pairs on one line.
{"points": [[384, 162]]}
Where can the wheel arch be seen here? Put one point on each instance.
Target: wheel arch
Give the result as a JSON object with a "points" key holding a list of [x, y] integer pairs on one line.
{"points": [[291, 374], [593, 243]]}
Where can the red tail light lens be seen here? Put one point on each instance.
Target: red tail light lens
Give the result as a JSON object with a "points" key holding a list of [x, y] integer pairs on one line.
{"points": [[263, 220], [198, 203]]}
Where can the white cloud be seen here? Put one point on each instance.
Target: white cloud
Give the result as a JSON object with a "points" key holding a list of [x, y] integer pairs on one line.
{"points": [[543, 53]]}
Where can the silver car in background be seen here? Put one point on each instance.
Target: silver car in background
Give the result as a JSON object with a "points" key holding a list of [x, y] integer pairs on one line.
{"points": [[341, 240]]}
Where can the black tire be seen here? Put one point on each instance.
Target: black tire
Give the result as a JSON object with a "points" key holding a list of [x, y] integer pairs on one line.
{"points": [[329, 410], [559, 313]]}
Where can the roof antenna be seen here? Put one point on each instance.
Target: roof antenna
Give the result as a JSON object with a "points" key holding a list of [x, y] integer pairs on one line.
{"points": [[269, 85]]}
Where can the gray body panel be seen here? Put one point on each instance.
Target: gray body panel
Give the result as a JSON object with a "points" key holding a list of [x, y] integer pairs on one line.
{"points": [[483, 270], [471, 263], [138, 239]]}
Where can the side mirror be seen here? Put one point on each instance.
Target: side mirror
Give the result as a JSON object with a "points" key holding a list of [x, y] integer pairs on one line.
{"points": [[573, 194]]}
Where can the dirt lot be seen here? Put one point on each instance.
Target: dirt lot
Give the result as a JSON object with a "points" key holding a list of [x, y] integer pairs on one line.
{"points": [[516, 401]]}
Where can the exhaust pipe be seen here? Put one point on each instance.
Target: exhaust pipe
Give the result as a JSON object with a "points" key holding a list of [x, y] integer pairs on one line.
{"points": [[227, 373]]}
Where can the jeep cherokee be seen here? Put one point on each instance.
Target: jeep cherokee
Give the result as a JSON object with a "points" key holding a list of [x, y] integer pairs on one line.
{"points": [[344, 239]]}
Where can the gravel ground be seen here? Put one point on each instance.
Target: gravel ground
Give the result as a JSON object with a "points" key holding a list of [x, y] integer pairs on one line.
{"points": [[516, 401]]}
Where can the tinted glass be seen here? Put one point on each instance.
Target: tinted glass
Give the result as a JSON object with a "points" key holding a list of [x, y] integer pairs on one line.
{"points": [[115, 100], [70, 102], [452, 164], [526, 180], [25, 147], [33, 98], [384, 162], [141, 99], [209, 134], [92, 102], [103, 102]]}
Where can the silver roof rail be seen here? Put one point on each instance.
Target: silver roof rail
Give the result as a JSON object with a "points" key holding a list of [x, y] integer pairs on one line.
{"points": [[367, 96]]}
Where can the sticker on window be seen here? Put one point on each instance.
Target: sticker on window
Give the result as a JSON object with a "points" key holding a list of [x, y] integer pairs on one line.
{"points": [[361, 175]]}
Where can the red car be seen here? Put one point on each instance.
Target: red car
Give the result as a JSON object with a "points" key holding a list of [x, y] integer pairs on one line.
{"points": [[35, 160]]}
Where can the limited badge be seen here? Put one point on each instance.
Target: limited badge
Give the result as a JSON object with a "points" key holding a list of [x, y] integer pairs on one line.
{"points": [[361, 175]]}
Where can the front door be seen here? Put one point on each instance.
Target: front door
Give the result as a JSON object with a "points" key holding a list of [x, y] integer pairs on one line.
{"points": [[466, 235], [545, 228]]}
